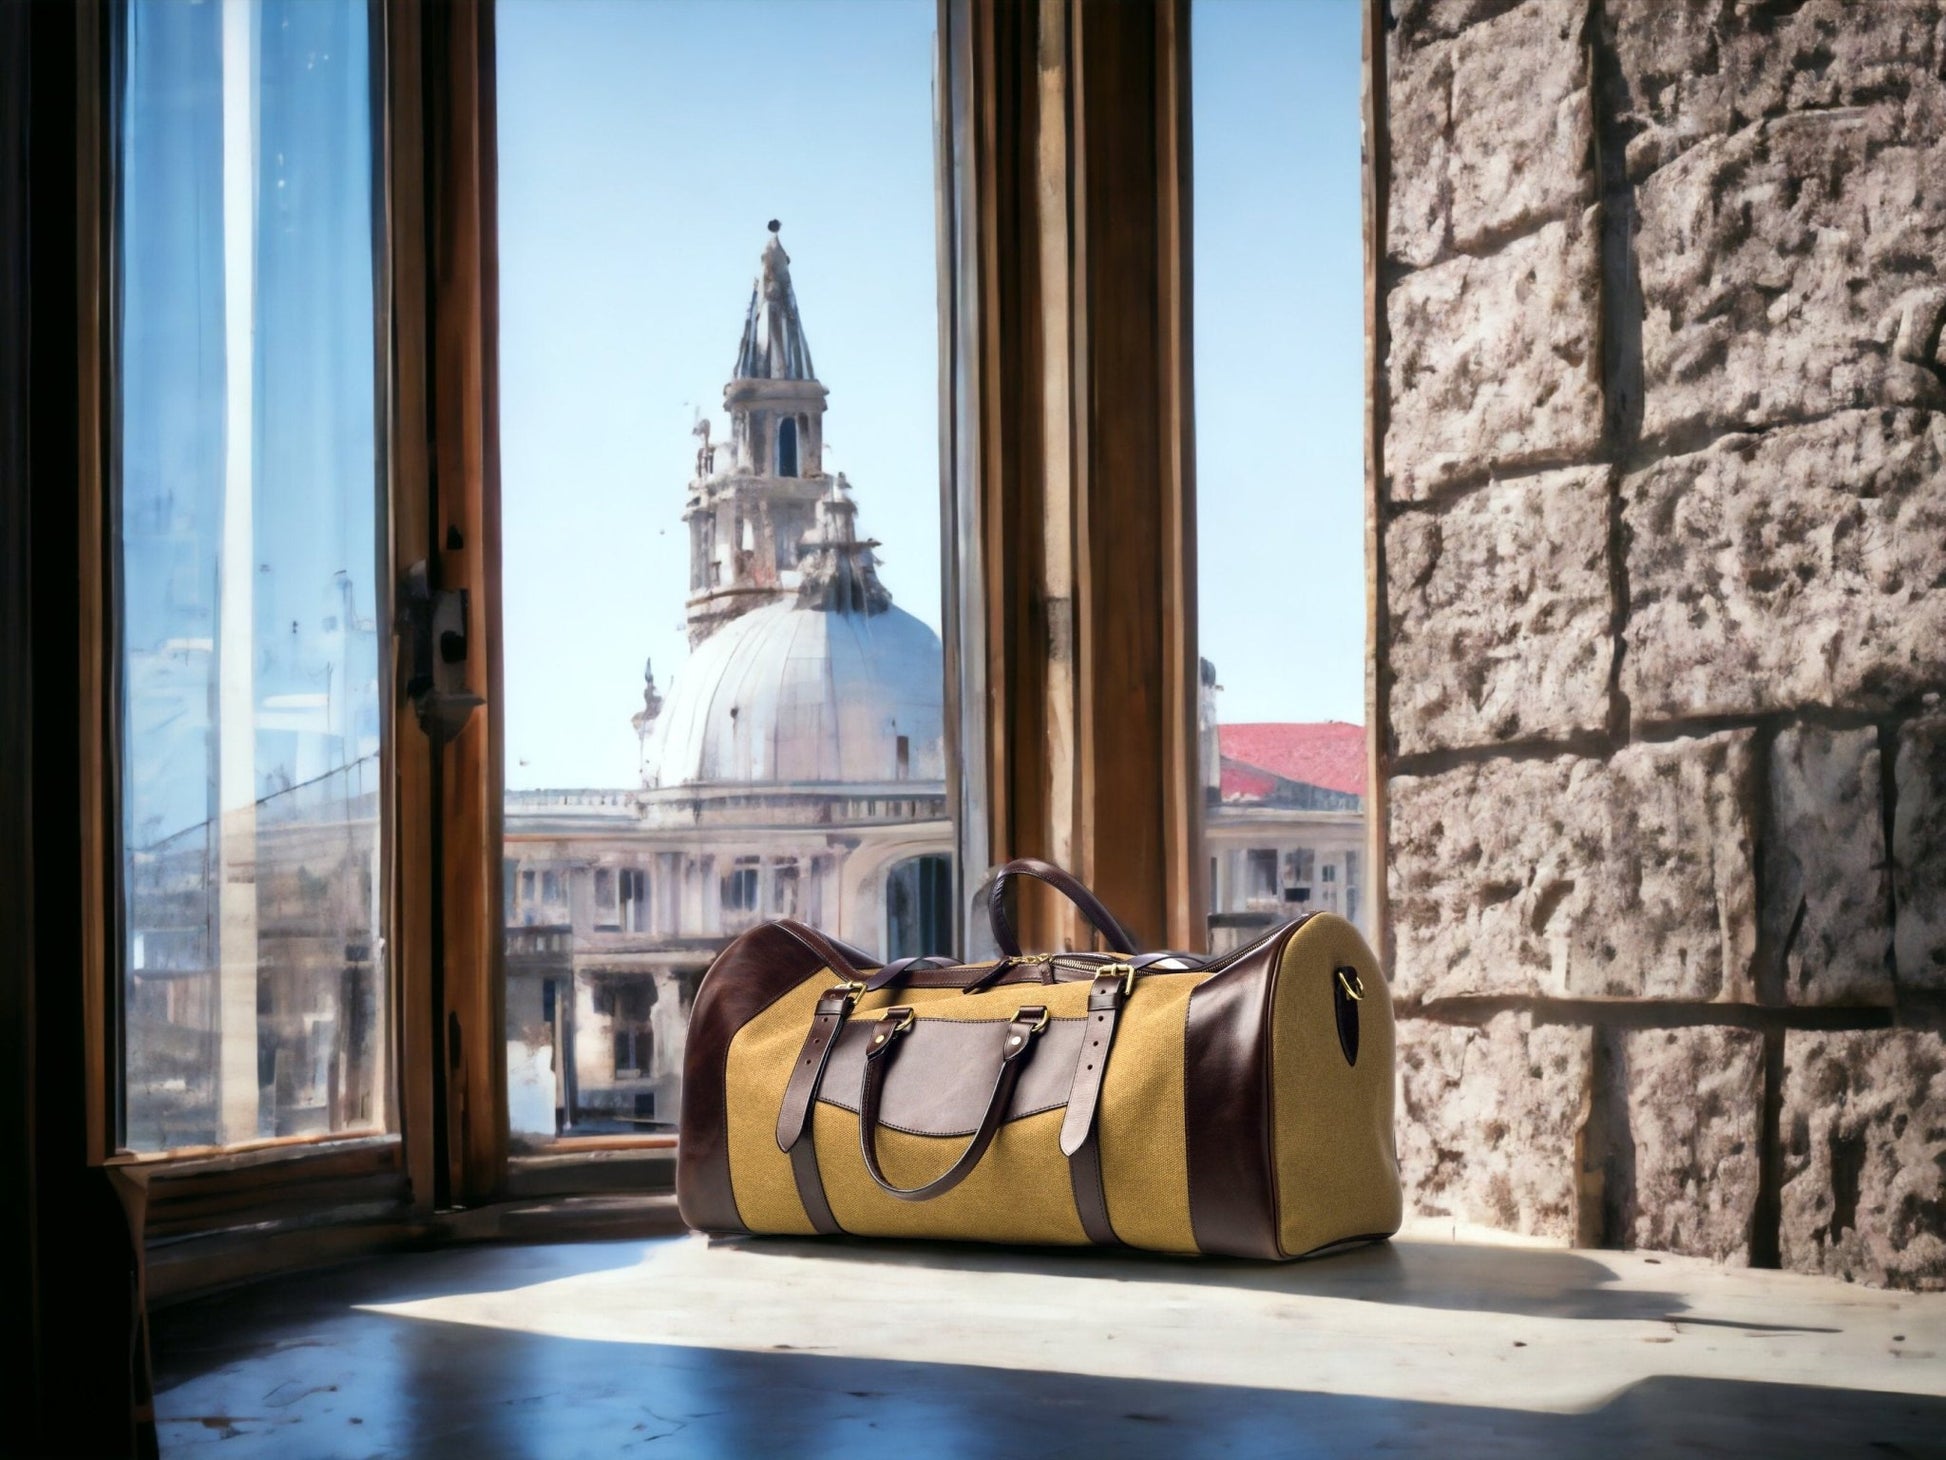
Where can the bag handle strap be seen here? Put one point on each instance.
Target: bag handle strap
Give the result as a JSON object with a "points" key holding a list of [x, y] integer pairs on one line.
{"points": [[1026, 1024], [841, 958], [898, 968], [1063, 882]]}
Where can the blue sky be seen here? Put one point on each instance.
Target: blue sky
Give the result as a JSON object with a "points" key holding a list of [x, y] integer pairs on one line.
{"points": [[642, 148]]}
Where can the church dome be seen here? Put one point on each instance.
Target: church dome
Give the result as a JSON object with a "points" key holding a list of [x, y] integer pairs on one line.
{"points": [[797, 693]]}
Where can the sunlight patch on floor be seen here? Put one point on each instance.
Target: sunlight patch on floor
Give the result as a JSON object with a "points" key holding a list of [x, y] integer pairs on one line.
{"points": [[1541, 1330]]}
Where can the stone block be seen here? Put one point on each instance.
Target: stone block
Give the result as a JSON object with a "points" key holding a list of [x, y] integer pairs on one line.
{"points": [[1425, 22], [1803, 567], [1864, 1174], [1789, 271], [1490, 1121], [1631, 878], [1824, 891], [1495, 362], [1499, 614], [1694, 1099], [1491, 134], [1692, 72], [1419, 137], [1919, 854]]}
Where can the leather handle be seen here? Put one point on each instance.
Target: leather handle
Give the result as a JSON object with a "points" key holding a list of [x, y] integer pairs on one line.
{"points": [[1063, 882], [841, 959], [892, 1023], [898, 968]]}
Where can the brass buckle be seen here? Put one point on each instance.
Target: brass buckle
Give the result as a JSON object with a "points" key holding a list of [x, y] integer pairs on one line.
{"points": [[1127, 971], [887, 1031], [853, 989], [1353, 985], [1045, 1016]]}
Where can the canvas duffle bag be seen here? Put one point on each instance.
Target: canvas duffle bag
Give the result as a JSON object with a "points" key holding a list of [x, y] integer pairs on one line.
{"points": [[1240, 1104]]}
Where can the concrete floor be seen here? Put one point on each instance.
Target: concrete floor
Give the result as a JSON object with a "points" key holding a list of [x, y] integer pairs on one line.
{"points": [[684, 1347]]}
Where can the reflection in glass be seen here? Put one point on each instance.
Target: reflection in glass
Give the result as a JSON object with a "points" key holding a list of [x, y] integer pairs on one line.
{"points": [[250, 627]]}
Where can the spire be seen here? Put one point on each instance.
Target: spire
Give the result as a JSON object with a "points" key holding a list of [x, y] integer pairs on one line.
{"points": [[774, 347], [840, 572]]}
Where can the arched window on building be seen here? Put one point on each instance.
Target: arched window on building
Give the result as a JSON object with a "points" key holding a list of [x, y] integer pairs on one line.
{"points": [[787, 447], [919, 907]]}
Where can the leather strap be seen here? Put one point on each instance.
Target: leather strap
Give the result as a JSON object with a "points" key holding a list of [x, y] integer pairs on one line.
{"points": [[1090, 1194], [801, 1097], [1014, 1052], [1065, 883], [1080, 1140], [810, 1189], [841, 958], [1080, 1135], [794, 1115], [1105, 996], [898, 968]]}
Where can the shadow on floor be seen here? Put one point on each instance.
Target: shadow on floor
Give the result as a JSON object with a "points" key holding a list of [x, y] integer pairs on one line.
{"points": [[1523, 1281], [365, 1384]]}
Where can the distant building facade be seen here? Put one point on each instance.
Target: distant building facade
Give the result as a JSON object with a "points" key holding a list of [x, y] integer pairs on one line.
{"points": [[796, 768], [1285, 826]]}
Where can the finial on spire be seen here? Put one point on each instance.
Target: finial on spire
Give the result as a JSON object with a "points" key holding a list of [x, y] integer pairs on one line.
{"points": [[774, 226]]}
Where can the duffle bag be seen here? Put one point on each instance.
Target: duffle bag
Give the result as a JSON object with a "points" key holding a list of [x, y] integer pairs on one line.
{"points": [[1239, 1104]]}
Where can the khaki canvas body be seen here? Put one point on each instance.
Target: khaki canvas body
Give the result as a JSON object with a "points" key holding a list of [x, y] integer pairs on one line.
{"points": [[1245, 1107]]}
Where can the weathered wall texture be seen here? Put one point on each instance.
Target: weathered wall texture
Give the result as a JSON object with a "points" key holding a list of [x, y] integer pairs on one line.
{"points": [[1662, 626]]}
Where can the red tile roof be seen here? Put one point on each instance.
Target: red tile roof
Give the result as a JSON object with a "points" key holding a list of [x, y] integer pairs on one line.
{"points": [[1330, 755]]}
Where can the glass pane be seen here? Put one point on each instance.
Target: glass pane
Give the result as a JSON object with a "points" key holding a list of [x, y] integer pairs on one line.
{"points": [[1280, 458], [253, 639], [719, 695]]}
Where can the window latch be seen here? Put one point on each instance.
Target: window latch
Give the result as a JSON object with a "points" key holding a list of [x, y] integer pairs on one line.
{"points": [[434, 622]]}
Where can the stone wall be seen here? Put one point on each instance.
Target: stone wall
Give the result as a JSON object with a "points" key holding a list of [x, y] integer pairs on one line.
{"points": [[1662, 622]]}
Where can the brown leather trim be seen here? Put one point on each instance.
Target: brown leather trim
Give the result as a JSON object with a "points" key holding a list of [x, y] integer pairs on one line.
{"points": [[751, 973], [810, 1189], [802, 1090], [1091, 1061], [1090, 1195], [1227, 1106]]}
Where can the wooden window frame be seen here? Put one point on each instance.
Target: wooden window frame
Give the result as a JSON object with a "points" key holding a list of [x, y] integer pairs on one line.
{"points": [[1070, 633], [434, 332]]}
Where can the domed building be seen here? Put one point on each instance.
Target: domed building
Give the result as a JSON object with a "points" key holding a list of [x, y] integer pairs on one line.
{"points": [[795, 767]]}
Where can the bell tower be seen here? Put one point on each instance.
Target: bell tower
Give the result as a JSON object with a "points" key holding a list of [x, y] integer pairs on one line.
{"points": [[755, 497]]}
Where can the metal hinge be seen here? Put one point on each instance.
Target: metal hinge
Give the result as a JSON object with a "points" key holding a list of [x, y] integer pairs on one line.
{"points": [[433, 622]]}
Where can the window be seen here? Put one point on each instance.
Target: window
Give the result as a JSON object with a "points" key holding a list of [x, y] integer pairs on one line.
{"points": [[1260, 874], [252, 631], [1327, 873], [919, 907], [607, 906], [635, 900], [787, 447], [740, 886], [1282, 753], [668, 466]]}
